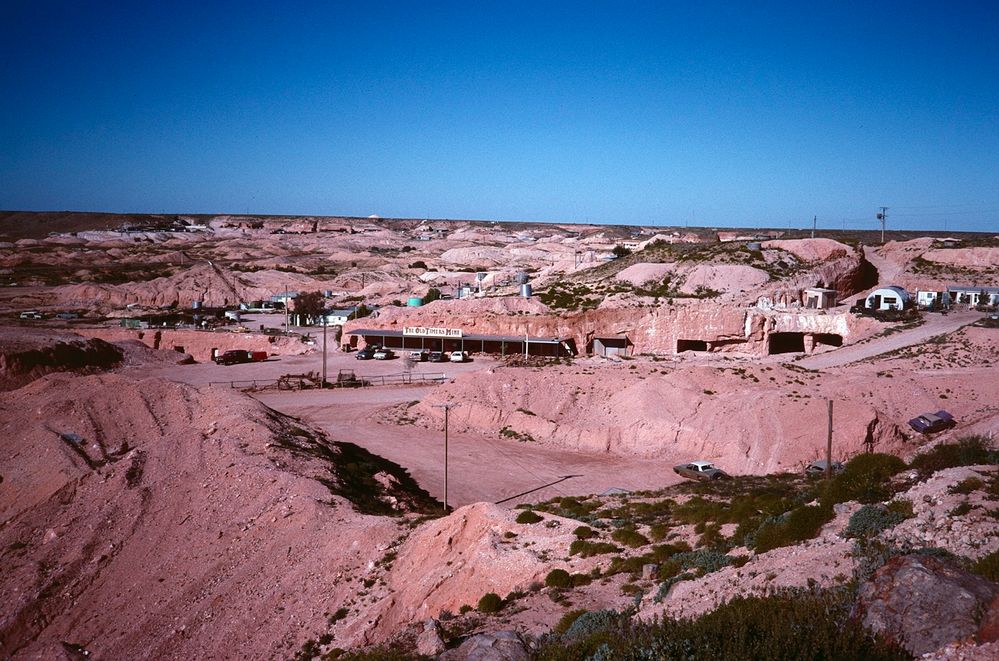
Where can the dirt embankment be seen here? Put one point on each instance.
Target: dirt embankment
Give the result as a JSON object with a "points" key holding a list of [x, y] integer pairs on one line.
{"points": [[146, 519], [199, 344], [750, 419], [26, 355]]}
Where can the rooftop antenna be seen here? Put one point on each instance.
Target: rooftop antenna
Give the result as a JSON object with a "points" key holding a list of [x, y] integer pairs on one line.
{"points": [[883, 217]]}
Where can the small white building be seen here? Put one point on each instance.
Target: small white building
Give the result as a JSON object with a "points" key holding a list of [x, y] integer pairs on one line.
{"points": [[932, 299], [819, 298], [887, 298], [339, 317], [974, 295]]}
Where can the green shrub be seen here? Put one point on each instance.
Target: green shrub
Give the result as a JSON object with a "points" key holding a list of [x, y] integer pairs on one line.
{"points": [[987, 566], [629, 538], [903, 507], [558, 578], [968, 451], [658, 532], [870, 520], [801, 523], [789, 625], [464, 609], [966, 486], [579, 580], [528, 516], [587, 549], [865, 479], [566, 620], [490, 603], [583, 532]]}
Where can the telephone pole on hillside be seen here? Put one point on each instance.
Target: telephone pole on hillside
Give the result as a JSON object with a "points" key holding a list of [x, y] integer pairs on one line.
{"points": [[883, 217]]}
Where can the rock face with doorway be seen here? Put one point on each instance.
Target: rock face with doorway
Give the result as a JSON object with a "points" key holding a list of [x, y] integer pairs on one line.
{"points": [[925, 603]]}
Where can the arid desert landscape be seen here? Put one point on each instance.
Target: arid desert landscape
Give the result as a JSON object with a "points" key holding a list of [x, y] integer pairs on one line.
{"points": [[237, 436]]}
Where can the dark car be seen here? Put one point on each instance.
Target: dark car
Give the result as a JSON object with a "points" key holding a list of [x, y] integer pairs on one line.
{"points": [[367, 353], [819, 467], [701, 470], [437, 357], [929, 423], [234, 357]]}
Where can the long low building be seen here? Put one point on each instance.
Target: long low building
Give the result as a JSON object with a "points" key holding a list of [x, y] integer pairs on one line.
{"points": [[456, 341]]}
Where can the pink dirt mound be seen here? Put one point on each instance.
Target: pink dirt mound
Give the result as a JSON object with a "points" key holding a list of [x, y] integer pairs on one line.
{"points": [[145, 519], [723, 278], [27, 354], [455, 560], [973, 257], [811, 250]]}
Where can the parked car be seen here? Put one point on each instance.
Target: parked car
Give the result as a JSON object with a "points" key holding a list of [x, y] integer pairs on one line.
{"points": [[818, 467], [384, 354], [437, 357], [458, 357], [68, 315], [234, 357], [930, 423], [701, 470], [367, 353], [31, 314], [419, 356]]}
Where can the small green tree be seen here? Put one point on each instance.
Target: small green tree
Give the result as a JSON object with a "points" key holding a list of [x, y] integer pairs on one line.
{"points": [[620, 251]]}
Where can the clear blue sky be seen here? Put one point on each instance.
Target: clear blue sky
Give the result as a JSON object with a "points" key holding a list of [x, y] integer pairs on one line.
{"points": [[701, 113]]}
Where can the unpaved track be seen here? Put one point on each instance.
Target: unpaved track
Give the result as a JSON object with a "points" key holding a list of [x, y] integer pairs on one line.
{"points": [[480, 468], [935, 324]]}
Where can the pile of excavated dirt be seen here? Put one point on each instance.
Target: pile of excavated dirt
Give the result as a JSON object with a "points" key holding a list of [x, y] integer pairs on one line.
{"points": [[977, 257], [146, 519], [27, 354], [749, 419], [734, 278], [811, 250]]}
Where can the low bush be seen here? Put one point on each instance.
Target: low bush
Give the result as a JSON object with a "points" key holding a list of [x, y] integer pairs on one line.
{"points": [[903, 507], [966, 486], [789, 625], [801, 523], [587, 549], [987, 566], [566, 620], [968, 451], [866, 478], [490, 603], [528, 516], [629, 538], [558, 578], [870, 520], [583, 532]]}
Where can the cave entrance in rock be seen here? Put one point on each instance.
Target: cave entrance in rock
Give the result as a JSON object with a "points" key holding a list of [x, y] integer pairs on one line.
{"points": [[787, 343], [691, 345], [829, 339]]}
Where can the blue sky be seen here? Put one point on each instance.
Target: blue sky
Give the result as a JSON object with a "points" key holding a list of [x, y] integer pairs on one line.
{"points": [[762, 114]]}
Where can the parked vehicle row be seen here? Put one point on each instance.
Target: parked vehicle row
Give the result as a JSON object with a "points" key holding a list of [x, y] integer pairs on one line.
{"points": [[377, 352]]}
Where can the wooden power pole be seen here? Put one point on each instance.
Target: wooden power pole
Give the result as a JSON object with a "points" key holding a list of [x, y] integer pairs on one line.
{"points": [[447, 408], [829, 442]]}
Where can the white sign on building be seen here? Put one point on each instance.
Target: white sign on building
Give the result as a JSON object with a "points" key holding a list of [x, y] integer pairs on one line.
{"points": [[423, 331]]}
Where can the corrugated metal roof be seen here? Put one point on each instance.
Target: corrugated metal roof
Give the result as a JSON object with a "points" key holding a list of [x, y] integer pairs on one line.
{"points": [[474, 338]]}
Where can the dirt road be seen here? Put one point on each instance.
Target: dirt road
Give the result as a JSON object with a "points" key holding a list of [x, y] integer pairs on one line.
{"points": [[935, 324]]}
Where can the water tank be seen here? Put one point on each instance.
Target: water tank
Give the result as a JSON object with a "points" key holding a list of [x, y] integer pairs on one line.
{"points": [[196, 305], [526, 290], [464, 291], [754, 245], [414, 301], [523, 278]]}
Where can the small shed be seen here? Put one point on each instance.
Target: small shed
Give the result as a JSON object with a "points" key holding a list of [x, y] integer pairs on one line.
{"points": [[819, 298], [611, 345], [887, 298]]}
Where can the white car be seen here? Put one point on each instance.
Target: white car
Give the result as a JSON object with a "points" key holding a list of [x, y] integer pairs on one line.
{"points": [[384, 354], [458, 357], [31, 314]]}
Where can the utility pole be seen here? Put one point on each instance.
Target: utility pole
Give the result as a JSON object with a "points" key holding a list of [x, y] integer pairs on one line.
{"points": [[829, 443], [447, 408], [883, 217], [814, 221], [287, 328], [324, 348]]}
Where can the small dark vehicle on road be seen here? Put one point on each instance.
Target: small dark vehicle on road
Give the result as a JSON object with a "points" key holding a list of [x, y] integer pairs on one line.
{"points": [[437, 357], [235, 357], [701, 470], [930, 423], [367, 353]]}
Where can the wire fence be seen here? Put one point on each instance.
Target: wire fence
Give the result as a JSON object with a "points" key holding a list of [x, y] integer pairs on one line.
{"points": [[307, 382]]}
